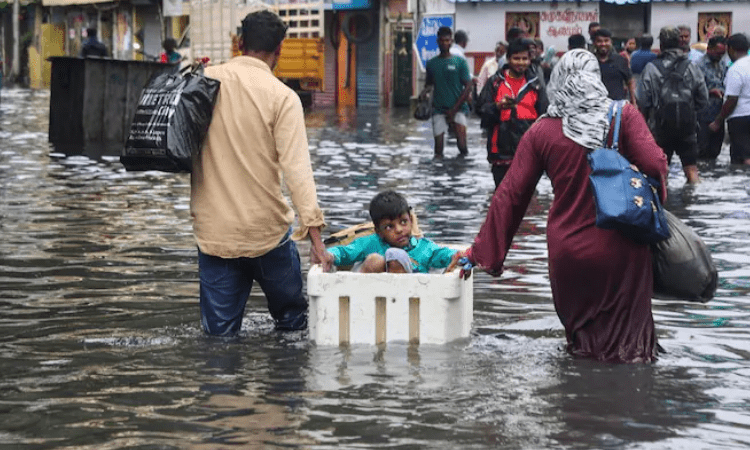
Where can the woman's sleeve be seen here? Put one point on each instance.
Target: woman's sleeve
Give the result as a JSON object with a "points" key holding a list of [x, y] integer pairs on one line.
{"points": [[637, 144], [509, 203]]}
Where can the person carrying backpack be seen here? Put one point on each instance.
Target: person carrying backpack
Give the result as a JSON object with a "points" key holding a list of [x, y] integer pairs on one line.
{"points": [[670, 92]]}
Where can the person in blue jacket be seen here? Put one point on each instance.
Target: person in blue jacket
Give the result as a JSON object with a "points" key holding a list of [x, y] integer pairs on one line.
{"points": [[392, 248]]}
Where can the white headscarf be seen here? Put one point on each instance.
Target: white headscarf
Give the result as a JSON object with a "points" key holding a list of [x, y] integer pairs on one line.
{"points": [[576, 93]]}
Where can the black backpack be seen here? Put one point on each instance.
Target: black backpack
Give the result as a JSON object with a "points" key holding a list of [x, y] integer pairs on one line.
{"points": [[675, 113]]}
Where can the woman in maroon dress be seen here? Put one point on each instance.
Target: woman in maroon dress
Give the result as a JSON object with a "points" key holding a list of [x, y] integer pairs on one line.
{"points": [[601, 280]]}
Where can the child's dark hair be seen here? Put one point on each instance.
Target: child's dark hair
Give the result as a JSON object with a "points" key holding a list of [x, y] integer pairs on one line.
{"points": [[387, 205]]}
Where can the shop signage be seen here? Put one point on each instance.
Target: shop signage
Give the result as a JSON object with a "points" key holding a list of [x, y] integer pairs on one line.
{"points": [[426, 42], [350, 4]]}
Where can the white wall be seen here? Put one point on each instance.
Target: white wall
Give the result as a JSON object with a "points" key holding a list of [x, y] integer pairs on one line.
{"points": [[663, 14], [485, 22], [436, 7]]}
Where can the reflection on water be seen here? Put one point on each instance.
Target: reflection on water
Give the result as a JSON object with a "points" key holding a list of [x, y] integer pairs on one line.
{"points": [[100, 345]]}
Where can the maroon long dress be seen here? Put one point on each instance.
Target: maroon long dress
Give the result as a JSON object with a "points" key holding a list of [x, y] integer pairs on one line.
{"points": [[601, 281]]}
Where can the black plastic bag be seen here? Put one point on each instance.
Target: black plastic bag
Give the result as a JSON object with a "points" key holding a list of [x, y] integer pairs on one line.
{"points": [[682, 264], [424, 108], [170, 122]]}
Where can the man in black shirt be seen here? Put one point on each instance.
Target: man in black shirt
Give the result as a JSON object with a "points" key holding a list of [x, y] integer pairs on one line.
{"points": [[93, 46], [616, 74]]}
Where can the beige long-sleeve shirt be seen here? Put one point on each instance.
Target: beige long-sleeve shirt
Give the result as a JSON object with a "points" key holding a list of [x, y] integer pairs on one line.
{"points": [[257, 137]]}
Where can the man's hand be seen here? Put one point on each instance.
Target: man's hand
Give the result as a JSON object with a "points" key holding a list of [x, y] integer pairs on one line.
{"points": [[507, 102], [716, 93], [425, 92], [318, 253], [326, 260], [715, 126], [450, 116]]}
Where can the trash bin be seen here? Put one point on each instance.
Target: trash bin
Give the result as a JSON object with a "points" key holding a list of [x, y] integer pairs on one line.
{"points": [[93, 100]]}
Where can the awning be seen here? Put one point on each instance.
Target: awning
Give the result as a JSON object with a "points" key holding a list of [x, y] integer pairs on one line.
{"points": [[699, 1], [618, 2], [524, 1], [71, 2], [541, 1], [9, 3]]}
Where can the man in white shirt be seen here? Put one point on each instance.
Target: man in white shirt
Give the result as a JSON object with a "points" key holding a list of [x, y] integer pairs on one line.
{"points": [[491, 65], [685, 36], [460, 41], [736, 107]]}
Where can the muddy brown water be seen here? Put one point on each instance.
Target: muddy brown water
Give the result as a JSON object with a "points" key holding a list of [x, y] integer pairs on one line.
{"points": [[100, 345]]}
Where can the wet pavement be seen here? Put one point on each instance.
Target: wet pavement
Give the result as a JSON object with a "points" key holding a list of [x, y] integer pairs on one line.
{"points": [[100, 345]]}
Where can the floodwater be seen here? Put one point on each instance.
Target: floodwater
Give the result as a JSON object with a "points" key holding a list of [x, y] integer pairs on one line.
{"points": [[100, 345]]}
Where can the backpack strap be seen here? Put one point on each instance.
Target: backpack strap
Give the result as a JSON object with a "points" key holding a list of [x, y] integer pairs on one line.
{"points": [[680, 66], [615, 111], [659, 64]]}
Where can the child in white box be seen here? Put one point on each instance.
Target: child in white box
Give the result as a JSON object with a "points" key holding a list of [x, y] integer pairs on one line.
{"points": [[392, 248]]}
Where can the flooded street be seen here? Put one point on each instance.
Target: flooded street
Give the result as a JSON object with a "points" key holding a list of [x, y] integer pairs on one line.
{"points": [[101, 347]]}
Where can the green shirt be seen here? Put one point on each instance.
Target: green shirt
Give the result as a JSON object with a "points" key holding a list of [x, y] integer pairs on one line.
{"points": [[449, 76], [424, 253]]}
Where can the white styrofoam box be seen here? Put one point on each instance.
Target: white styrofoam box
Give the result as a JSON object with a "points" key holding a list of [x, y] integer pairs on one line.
{"points": [[373, 308]]}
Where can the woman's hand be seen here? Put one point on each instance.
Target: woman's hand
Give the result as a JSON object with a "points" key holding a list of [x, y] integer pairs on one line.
{"points": [[462, 258]]}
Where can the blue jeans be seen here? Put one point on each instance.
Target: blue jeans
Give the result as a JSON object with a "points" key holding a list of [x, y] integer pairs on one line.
{"points": [[225, 285]]}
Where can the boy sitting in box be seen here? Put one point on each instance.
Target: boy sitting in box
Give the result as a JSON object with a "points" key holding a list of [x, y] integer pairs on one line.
{"points": [[392, 248]]}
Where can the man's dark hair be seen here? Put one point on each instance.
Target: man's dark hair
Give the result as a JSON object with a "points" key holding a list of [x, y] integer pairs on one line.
{"points": [[716, 40], [645, 42], [603, 32], [91, 32], [593, 24], [518, 46], [461, 38], [444, 31], [513, 34], [169, 44], [669, 38], [262, 31], [387, 205], [576, 41], [738, 42]]}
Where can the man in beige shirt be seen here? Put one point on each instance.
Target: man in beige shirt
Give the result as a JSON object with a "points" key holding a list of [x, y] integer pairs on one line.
{"points": [[241, 220]]}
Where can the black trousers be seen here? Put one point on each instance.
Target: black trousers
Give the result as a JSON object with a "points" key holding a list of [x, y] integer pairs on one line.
{"points": [[709, 143], [739, 139]]}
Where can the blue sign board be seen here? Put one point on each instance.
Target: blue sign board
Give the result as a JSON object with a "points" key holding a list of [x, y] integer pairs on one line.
{"points": [[337, 5], [426, 41]]}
